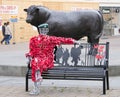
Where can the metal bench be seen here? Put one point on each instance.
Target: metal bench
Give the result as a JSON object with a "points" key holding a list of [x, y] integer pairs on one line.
{"points": [[79, 62]]}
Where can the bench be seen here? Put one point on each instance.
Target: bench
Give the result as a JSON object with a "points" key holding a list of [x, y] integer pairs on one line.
{"points": [[79, 62]]}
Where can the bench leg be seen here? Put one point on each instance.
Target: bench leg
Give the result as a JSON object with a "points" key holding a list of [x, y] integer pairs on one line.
{"points": [[104, 86], [107, 79], [26, 83]]}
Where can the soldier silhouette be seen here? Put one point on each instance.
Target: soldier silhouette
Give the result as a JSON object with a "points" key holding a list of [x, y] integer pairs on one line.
{"points": [[59, 53], [65, 57], [75, 54]]}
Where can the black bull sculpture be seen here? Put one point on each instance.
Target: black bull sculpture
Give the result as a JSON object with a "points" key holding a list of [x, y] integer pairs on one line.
{"points": [[74, 24]]}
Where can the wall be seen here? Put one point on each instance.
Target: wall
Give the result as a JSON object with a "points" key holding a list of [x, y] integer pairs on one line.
{"points": [[23, 31]]}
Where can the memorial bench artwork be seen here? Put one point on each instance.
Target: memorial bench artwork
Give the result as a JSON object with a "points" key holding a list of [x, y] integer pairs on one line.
{"points": [[73, 62]]}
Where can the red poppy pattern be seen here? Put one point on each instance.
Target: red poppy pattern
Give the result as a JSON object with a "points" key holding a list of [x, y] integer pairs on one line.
{"points": [[100, 49], [41, 51]]}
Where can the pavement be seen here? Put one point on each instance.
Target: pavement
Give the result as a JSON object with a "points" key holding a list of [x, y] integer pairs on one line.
{"points": [[13, 69], [15, 87]]}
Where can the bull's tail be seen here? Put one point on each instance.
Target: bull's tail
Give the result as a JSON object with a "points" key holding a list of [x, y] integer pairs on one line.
{"points": [[101, 24]]}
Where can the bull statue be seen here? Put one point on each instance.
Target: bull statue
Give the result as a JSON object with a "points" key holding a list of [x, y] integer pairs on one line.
{"points": [[74, 24]]}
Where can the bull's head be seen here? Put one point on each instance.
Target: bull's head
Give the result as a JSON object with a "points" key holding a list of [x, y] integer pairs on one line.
{"points": [[37, 15], [32, 15]]}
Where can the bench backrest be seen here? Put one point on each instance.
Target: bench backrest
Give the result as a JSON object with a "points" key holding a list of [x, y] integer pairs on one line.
{"points": [[83, 55]]}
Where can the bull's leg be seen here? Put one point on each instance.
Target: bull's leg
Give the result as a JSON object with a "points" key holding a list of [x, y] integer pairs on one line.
{"points": [[93, 44], [93, 49]]}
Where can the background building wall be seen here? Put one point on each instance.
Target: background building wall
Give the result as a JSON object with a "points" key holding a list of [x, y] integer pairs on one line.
{"points": [[23, 31], [111, 16]]}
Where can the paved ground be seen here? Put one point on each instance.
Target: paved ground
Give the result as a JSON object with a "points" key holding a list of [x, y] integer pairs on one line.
{"points": [[15, 87], [13, 54]]}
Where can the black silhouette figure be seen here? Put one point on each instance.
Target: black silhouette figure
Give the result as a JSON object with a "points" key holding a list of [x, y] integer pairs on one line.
{"points": [[55, 50], [59, 54], [65, 57], [75, 54]]}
